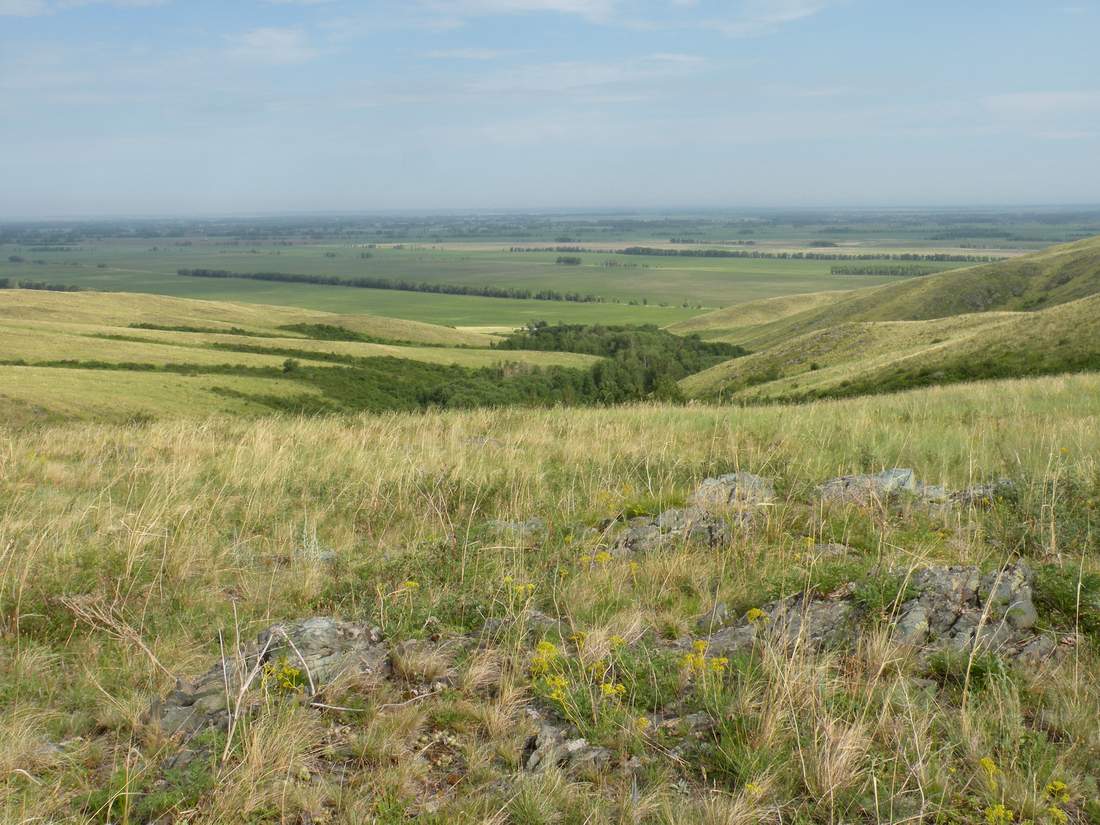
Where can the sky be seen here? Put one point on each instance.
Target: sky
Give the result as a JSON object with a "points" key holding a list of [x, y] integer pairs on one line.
{"points": [[186, 107]]}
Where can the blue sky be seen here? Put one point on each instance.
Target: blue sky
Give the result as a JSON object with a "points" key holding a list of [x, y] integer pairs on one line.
{"points": [[243, 106]]}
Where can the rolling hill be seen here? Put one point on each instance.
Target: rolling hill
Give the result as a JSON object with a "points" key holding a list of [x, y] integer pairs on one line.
{"points": [[1028, 316], [1054, 276], [119, 356]]}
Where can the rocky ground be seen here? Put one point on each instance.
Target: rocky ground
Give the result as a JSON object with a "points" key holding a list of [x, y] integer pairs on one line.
{"points": [[636, 705]]}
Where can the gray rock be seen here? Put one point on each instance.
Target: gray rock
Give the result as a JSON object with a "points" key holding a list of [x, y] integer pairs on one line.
{"points": [[1007, 593], [319, 648], [732, 490], [647, 533], [984, 495], [866, 490], [819, 622], [550, 747], [532, 529], [955, 608]]}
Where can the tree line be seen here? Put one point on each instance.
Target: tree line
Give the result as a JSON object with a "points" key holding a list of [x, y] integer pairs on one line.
{"points": [[8, 283], [883, 270], [639, 361], [401, 286], [807, 256], [943, 257]]}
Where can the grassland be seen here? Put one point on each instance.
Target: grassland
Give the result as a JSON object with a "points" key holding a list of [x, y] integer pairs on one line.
{"points": [[128, 552], [220, 351], [637, 289], [1055, 275], [1027, 316]]}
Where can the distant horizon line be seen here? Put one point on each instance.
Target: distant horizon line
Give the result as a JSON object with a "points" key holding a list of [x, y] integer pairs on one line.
{"points": [[545, 210]]}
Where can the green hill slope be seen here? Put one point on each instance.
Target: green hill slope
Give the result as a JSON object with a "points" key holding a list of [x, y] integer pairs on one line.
{"points": [[123, 309], [865, 357], [1054, 276], [731, 323]]}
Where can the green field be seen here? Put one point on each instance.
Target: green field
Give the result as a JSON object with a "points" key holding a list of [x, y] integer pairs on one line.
{"points": [[635, 288], [82, 355]]}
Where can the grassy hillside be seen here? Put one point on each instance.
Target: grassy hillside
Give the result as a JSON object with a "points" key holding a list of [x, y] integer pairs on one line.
{"points": [[114, 356], [1029, 316], [873, 357], [135, 554], [120, 309], [734, 322], [1054, 276]]}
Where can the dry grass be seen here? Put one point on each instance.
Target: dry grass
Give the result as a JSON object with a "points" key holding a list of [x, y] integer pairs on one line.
{"points": [[158, 536]]}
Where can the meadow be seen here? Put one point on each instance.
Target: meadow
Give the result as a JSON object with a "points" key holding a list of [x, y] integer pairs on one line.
{"points": [[634, 288], [128, 552]]}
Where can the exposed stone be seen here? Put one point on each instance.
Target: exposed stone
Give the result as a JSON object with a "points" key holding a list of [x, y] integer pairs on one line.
{"points": [[648, 533], [819, 622], [319, 648], [984, 495], [732, 490], [955, 608], [550, 747], [867, 490], [533, 529]]}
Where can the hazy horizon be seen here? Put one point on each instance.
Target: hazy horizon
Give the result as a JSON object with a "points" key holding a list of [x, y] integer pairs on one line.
{"points": [[135, 108]]}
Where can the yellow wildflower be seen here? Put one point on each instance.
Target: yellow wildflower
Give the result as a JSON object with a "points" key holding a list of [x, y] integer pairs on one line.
{"points": [[718, 664], [642, 723], [990, 768], [999, 815], [616, 642], [602, 558], [546, 654], [756, 615], [612, 690], [1058, 791], [412, 584], [1057, 815]]}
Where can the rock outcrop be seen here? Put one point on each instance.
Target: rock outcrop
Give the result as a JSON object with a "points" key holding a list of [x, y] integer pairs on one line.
{"points": [[952, 608], [738, 489], [310, 653]]}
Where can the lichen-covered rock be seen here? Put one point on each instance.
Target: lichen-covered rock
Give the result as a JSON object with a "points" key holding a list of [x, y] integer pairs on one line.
{"points": [[957, 608], [648, 533], [316, 649], [868, 490], [818, 622], [530, 531], [984, 495], [954, 608], [550, 747], [738, 489]]}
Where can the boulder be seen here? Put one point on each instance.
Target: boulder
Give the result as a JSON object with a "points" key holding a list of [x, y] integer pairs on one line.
{"points": [[732, 490], [551, 747], [318, 649], [867, 490], [648, 533]]}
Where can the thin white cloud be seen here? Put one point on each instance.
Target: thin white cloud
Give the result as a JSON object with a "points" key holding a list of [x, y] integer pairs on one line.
{"points": [[1043, 104], [35, 8], [468, 54], [758, 17], [595, 10], [272, 45], [23, 8]]}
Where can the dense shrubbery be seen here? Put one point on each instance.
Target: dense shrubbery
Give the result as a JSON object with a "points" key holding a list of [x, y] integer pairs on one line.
{"points": [[400, 286], [7, 283], [883, 270], [641, 361], [807, 256]]}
